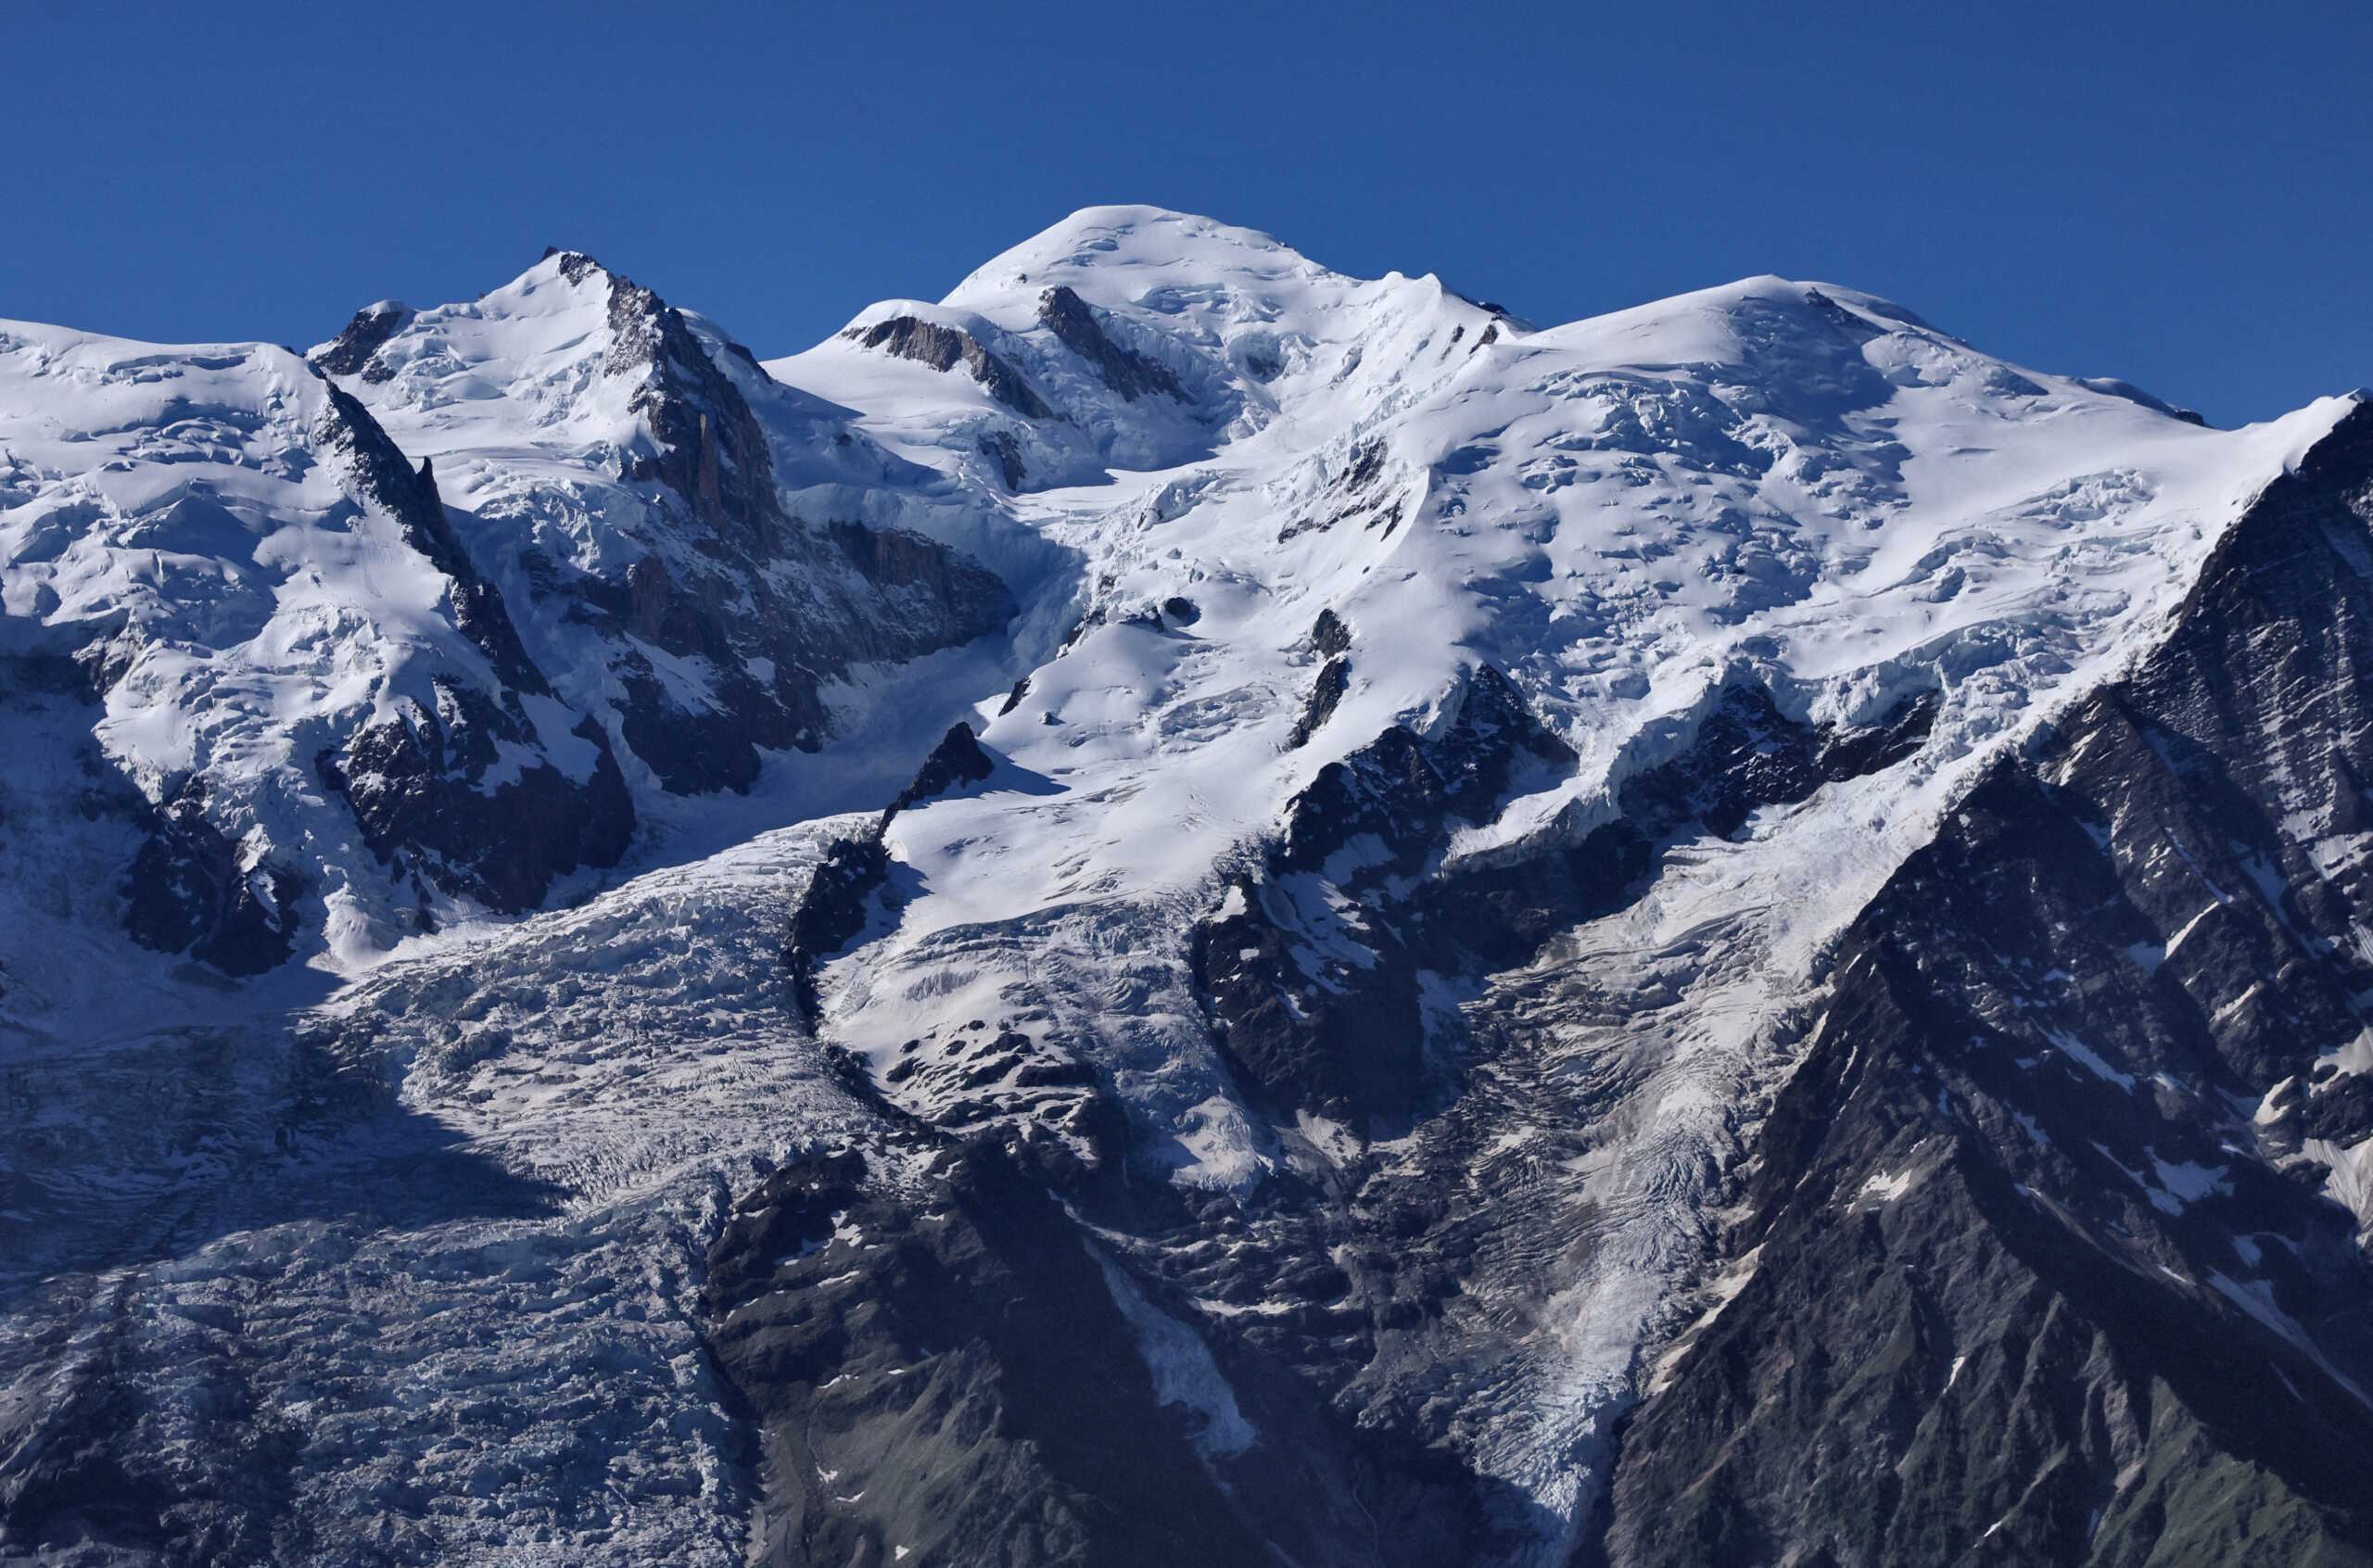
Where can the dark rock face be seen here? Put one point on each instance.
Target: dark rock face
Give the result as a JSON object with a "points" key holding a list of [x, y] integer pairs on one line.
{"points": [[1329, 636], [834, 907], [957, 1366], [913, 573], [957, 760], [1313, 977], [1367, 466], [711, 450], [186, 891], [1075, 324], [416, 782], [1001, 445], [354, 350], [1334, 679], [1748, 755], [885, 596], [1357, 494], [943, 349], [961, 1360], [699, 751], [2039, 1265]]}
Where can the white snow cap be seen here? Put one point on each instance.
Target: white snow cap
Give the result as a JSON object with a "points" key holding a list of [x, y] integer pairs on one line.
{"points": [[1795, 483]]}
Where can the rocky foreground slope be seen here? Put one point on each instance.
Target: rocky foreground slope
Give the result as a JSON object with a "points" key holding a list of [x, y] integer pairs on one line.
{"points": [[1724, 933]]}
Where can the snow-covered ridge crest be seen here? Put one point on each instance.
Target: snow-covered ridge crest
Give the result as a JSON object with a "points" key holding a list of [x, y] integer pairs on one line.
{"points": [[1802, 482], [707, 552], [1152, 338], [249, 579]]}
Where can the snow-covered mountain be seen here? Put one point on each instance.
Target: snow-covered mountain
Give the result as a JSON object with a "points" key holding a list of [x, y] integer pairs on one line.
{"points": [[244, 641], [1500, 944], [331, 693], [706, 554]]}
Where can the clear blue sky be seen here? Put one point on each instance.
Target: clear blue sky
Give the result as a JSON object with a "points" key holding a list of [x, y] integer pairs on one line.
{"points": [[2182, 196]]}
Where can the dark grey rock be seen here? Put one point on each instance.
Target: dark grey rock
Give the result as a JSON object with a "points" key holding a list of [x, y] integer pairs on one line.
{"points": [[187, 892], [1076, 325], [1348, 1039], [957, 760], [414, 780], [1328, 634], [962, 1384], [353, 348], [943, 349], [1354, 493], [1001, 445], [835, 906], [1334, 679], [832, 909]]}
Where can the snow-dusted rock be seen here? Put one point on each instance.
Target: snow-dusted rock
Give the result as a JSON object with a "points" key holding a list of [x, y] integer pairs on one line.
{"points": [[220, 570], [700, 553]]}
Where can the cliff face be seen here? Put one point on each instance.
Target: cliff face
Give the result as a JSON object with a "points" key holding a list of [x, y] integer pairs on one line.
{"points": [[2051, 1247]]}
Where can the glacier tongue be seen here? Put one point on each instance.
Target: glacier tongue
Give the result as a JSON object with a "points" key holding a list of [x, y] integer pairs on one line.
{"points": [[464, 1315]]}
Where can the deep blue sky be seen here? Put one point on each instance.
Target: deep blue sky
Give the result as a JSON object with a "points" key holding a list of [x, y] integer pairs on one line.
{"points": [[2182, 196]]}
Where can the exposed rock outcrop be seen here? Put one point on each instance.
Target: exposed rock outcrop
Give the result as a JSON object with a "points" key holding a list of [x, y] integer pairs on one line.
{"points": [[944, 347], [425, 786], [1133, 375]]}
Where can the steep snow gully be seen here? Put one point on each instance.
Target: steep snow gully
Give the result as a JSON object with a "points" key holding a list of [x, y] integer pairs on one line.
{"points": [[1179, 909]]}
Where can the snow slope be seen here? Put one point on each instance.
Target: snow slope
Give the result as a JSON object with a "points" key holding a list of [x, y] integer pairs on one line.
{"points": [[1794, 482], [1795, 486]]}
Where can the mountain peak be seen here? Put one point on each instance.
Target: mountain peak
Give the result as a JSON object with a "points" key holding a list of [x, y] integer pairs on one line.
{"points": [[1110, 253], [573, 265]]}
